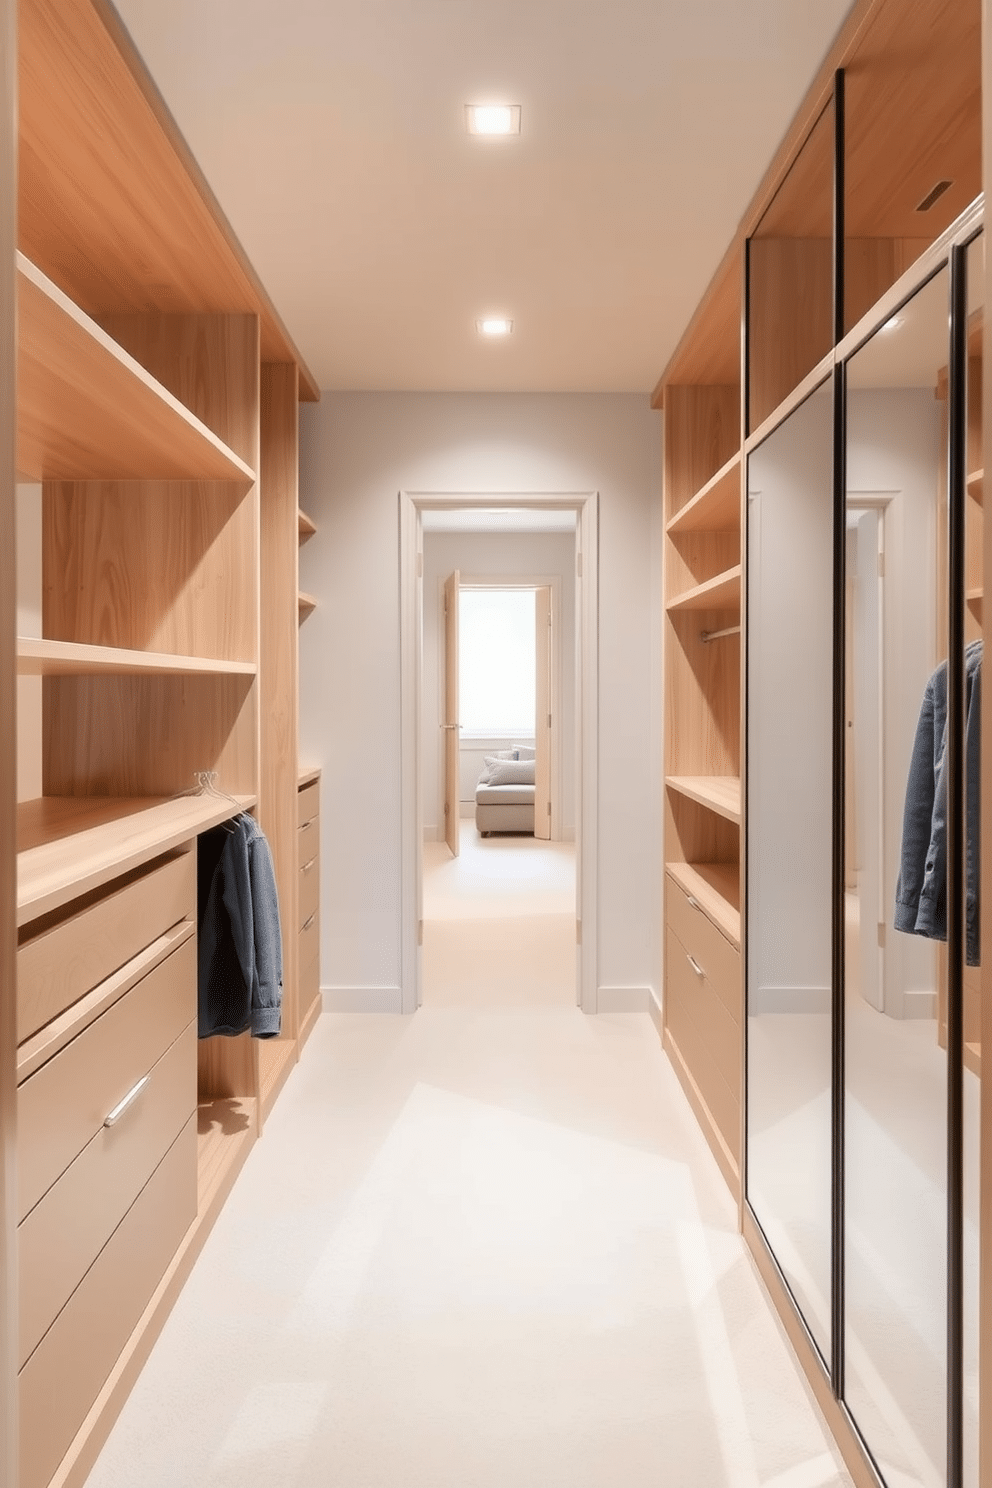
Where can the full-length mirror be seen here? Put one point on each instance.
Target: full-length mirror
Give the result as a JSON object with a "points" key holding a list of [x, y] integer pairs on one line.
{"points": [[789, 762], [895, 1250]]}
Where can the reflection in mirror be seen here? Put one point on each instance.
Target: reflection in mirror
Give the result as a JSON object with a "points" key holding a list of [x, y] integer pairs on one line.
{"points": [[895, 1065], [974, 593], [790, 672]]}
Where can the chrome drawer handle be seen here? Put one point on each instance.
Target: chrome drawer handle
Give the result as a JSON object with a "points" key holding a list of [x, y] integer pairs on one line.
{"points": [[309, 922], [693, 903], [695, 965], [308, 823], [128, 1100], [307, 866]]}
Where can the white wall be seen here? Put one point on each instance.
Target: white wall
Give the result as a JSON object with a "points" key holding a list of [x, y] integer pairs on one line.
{"points": [[495, 555], [358, 450]]}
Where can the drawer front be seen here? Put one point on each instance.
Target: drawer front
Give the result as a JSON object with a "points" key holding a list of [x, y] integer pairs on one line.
{"points": [[65, 1232], [309, 941], [66, 1372], [63, 1106], [57, 967], [307, 802], [309, 984], [708, 1038], [307, 840], [711, 949], [309, 890]]}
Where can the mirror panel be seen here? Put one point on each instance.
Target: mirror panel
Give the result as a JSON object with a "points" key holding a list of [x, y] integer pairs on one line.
{"points": [[789, 785], [895, 1060]]}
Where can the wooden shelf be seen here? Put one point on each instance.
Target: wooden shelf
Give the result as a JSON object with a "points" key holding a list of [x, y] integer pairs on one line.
{"points": [[720, 593], [307, 775], [68, 845], [307, 527], [717, 889], [976, 482], [225, 1130], [307, 604], [71, 658], [974, 598], [86, 410], [719, 793], [714, 508]]}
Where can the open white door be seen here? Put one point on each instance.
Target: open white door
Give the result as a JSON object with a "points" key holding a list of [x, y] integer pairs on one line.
{"points": [[449, 726], [542, 713]]}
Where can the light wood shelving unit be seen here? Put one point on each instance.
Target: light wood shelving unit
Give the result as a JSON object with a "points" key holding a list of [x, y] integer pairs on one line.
{"points": [[157, 404], [307, 603]]}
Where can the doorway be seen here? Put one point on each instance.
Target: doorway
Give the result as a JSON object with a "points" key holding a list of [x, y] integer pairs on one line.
{"points": [[504, 865]]}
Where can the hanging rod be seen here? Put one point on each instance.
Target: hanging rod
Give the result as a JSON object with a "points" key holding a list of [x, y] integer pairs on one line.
{"points": [[714, 635]]}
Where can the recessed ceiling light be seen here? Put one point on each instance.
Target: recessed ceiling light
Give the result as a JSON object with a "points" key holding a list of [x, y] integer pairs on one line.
{"points": [[493, 118], [494, 325]]}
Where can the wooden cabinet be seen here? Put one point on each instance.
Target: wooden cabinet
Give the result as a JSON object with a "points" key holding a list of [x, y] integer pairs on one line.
{"points": [[308, 855], [157, 406]]}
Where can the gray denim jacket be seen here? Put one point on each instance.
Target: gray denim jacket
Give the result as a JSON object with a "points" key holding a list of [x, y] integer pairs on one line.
{"points": [[921, 892]]}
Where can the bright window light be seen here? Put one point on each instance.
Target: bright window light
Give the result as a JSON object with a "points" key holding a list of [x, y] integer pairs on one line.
{"points": [[497, 674], [494, 325], [493, 118]]}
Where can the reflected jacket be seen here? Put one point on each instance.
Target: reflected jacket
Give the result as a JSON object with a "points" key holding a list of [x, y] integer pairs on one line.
{"points": [[240, 949], [921, 892]]}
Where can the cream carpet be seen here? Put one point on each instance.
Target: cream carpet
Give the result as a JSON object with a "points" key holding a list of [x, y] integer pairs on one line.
{"points": [[483, 1247]]}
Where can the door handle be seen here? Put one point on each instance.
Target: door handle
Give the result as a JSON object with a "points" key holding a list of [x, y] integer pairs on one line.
{"points": [[695, 965], [451, 725]]}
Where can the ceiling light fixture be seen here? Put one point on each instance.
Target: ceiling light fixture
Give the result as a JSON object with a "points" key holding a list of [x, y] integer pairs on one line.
{"points": [[493, 118], [494, 325]]}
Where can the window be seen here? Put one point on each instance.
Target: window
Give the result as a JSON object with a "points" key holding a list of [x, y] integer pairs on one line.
{"points": [[496, 662]]}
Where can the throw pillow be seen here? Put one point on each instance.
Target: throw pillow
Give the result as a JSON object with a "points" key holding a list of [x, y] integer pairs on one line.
{"points": [[512, 772]]}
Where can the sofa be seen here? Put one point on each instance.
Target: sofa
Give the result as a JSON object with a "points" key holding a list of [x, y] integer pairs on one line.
{"points": [[504, 796]]}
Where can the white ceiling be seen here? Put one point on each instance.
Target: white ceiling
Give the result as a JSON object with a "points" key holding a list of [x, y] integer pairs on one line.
{"points": [[333, 134]]}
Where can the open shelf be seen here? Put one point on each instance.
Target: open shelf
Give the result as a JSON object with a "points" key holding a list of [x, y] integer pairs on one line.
{"points": [[974, 598], [307, 527], [72, 658], [86, 410], [976, 483], [717, 889], [720, 593], [307, 775], [714, 508], [68, 845], [719, 793], [308, 604], [225, 1130]]}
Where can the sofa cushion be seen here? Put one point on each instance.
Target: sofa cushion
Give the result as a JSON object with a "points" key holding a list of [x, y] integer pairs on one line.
{"points": [[504, 795], [512, 772]]}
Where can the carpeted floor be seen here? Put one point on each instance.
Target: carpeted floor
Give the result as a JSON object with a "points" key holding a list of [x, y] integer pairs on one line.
{"points": [[483, 1247]]}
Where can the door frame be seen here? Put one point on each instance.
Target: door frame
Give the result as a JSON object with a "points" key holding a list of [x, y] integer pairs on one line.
{"points": [[411, 563]]}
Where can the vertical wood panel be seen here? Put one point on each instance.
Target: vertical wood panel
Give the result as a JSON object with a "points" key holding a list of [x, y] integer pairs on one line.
{"points": [[790, 300], [985, 1215], [278, 666], [702, 432], [8, 755]]}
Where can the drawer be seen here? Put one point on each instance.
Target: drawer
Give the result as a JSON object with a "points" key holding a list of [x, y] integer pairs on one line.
{"points": [[308, 803], [710, 948], [307, 840], [708, 1038], [66, 1372], [63, 1106], [309, 889], [65, 1232], [309, 984], [68, 958], [309, 943]]}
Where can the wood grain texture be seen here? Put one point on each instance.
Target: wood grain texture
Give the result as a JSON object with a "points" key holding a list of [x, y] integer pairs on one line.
{"points": [[693, 558], [8, 751], [279, 671], [791, 306], [702, 695], [113, 206], [694, 834], [985, 1142], [70, 659], [710, 349], [722, 592], [716, 507], [803, 205], [227, 1069], [681, 1063], [161, 566], [88, 410], [719, 793], [305, 606], [702, 432], [871, 266], [306, 526], [716, 887]]}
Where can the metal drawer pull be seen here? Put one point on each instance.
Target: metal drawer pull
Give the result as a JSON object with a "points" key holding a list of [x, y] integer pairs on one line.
{"points": [[128, 1100], [308, 823], [695, 965], [693, 903], [308, 923], [307, 866]]}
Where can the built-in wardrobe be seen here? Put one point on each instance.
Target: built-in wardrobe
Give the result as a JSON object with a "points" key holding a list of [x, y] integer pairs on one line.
{"points": [[149, 442], [824, 609]]}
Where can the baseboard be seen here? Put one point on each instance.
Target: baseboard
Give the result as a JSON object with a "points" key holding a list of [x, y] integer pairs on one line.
{"points": [[309, 1020], [656, 1013], [623, 999], [726, 1161], [362, 999], [789, 1000]]}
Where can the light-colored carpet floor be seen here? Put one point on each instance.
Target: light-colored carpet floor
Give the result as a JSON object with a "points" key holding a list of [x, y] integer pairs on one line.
{"points": [[482, 1247]]}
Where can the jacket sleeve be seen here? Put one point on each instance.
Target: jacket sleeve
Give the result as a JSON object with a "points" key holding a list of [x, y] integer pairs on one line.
{"points": [[266, 998], [917, 825]]}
